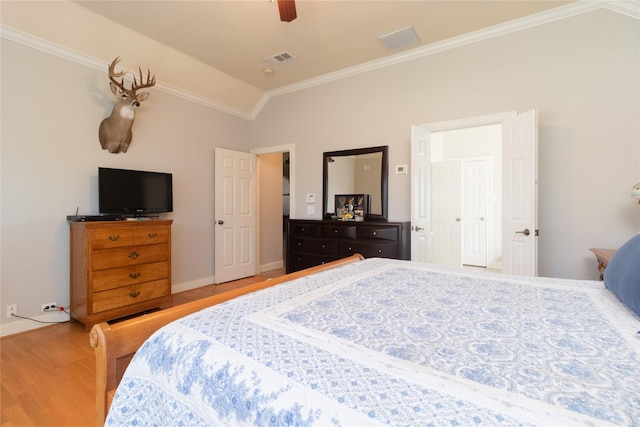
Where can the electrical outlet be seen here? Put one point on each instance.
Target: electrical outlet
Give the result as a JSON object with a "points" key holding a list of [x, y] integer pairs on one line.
{"points": [[50, 306], [12, 309]]}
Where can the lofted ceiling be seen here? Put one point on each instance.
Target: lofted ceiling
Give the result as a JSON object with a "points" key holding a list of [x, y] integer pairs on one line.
{"points": [[235, 36]]}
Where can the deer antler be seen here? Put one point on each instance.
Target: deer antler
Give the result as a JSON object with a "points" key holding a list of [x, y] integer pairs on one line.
{"points": [[151, 81], [113, 74]]}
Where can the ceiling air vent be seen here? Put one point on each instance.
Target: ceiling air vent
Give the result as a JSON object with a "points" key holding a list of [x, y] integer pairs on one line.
{"points": [[280, 58], [400, 38]]}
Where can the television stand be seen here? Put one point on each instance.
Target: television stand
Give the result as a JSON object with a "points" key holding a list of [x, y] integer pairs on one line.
{"points": [[119, 268]]}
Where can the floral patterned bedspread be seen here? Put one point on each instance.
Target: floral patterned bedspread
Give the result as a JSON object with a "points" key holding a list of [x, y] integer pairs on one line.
{"points": [[388, 342]]}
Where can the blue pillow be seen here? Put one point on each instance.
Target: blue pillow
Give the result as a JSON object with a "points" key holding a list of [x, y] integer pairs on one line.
{"points": [[622, 275]]}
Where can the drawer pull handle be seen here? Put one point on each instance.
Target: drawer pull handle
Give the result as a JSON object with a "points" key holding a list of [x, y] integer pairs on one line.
{"points": [[152, 235], [114, 238], [134, 255], [134, 294], [379, 251], [134, 275], [375, 233]]}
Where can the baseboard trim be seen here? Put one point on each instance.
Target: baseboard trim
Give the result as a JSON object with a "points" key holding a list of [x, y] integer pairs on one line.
{"points": [[495, 266], [194, 284], [271, 266], [18, 325]]}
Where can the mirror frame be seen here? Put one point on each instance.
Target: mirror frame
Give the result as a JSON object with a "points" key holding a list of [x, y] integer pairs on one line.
{"points": [[384, 179]]}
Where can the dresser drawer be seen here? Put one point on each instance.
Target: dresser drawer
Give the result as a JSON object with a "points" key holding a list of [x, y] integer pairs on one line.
{"points": [[112, 237], [131, 275], [314, 245], [378, 232], [339, 231], [379, 249], [304, 229], [120, 297], [149, 235], [117, 257], [301, 261]]}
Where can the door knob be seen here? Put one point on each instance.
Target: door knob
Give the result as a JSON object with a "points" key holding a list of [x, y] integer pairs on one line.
{"points": [[526, 232], [220, 222], [458, 219]]}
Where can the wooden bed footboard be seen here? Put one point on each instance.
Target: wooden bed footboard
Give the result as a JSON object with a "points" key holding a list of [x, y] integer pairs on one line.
{"points": [[116, 344]]}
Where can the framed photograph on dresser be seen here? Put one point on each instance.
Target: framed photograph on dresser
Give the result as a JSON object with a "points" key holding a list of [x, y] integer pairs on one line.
{"points": [[352, 207]]}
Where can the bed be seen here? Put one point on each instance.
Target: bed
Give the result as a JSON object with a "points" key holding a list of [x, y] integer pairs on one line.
{"points": [[379, 342]]}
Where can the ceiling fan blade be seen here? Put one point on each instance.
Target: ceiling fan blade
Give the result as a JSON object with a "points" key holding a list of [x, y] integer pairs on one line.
{"points": [[287, 10]]}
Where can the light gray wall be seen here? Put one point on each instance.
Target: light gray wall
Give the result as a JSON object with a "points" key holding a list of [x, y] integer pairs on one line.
{"points": [[51, 110], [581, 73], [270, 211]]}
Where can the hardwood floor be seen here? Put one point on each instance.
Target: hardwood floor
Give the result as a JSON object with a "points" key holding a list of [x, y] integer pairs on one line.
{"points": [[47, 376]]}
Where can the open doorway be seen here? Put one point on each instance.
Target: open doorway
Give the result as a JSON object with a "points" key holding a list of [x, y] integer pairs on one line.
{"points": [[466, 189], [519, 193], [275, 204]]}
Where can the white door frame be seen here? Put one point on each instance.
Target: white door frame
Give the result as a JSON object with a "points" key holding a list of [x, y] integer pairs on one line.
{"points": [[290, 148], [468, 122]]}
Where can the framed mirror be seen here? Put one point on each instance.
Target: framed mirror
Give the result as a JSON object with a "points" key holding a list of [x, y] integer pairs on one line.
{"points": [[357, 171]]}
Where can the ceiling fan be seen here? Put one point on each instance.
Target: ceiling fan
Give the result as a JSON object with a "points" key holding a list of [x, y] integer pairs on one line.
{"points": [[287, 10]]}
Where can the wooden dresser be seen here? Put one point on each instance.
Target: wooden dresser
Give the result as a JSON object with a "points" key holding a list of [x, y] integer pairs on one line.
{"points": [[119, 268], [315, 242]]}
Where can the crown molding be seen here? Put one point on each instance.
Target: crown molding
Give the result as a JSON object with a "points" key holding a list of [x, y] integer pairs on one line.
{"points": [[99, 65], [629, 8]]}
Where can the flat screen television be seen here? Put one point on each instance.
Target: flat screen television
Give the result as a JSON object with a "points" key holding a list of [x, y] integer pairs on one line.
{"points": [[133, 192]]}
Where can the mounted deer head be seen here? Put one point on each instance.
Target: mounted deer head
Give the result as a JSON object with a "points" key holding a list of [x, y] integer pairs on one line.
{"points": [[115, 131]]}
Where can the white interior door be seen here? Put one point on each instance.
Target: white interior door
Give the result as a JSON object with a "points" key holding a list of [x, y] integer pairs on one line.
{"points": [[446, 211], [474, 211], [520, 194], [420, 195], [235, 215]]}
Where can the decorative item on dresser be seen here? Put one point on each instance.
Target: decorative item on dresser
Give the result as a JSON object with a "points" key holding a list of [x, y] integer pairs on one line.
{"points": [[314, 242], [603, 256], [635, 192], [118, 268]]}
